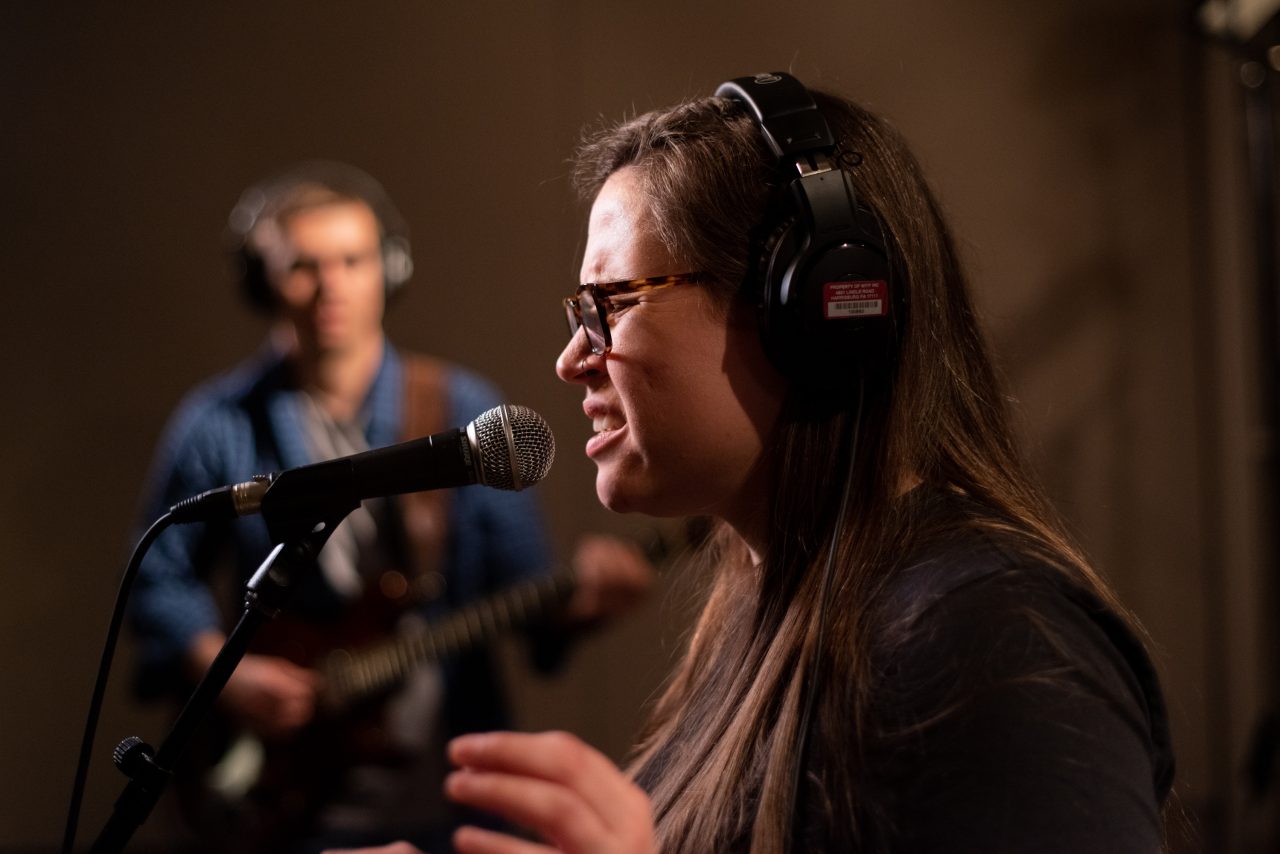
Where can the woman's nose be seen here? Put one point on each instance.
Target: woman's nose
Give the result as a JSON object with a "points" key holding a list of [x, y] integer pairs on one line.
{"points": [[573, 364]]}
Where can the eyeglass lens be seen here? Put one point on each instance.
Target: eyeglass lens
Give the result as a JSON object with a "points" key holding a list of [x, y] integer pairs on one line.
{"points": [[593, 319], [586, 312]]}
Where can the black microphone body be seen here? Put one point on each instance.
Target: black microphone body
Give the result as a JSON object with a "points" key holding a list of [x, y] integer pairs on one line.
{"points": [[440, 461], [507, 447]]}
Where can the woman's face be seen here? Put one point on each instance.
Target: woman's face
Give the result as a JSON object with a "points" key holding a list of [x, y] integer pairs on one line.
{"points": [[682, 403]]}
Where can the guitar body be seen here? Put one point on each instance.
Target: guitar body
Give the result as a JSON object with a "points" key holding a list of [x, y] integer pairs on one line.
{"points": [[261, 794], [264, 795]]}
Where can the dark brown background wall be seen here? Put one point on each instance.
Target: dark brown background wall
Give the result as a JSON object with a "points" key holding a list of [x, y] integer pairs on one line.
{"points": [[1087, 150]]}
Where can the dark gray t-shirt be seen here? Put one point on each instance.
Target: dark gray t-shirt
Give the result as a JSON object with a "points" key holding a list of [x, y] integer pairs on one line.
{"points": [[1012, 711]]}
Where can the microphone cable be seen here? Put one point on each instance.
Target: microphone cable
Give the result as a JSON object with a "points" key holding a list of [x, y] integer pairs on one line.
{"points": [[104, 670]]}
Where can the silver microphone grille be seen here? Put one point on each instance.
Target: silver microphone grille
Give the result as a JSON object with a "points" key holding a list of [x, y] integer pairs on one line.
{"points": [[514, 445]]}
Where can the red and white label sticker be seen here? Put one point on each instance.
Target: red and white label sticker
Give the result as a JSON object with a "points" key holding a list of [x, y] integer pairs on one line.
{"points": [[855, 299]]}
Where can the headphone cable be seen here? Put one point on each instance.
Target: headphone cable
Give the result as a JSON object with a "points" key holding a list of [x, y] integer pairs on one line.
{"points": [[828, 580]]}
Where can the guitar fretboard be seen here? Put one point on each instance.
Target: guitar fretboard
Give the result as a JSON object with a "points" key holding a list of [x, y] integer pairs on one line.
{"points": [[354, 675]]}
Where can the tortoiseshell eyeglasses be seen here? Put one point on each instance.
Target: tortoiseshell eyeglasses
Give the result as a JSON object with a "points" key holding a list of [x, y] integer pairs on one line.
{"points": [[590, 306]]}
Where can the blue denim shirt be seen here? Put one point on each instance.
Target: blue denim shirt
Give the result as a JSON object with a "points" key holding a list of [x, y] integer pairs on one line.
{"points": [[244, 423]]}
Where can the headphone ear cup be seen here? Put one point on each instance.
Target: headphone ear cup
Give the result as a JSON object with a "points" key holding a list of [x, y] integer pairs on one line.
{"points": [[821, 312], [778, 328], [846, 310], [397, 263], [252, 273]]}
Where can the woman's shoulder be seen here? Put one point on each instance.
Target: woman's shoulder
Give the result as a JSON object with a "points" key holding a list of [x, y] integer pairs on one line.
{"points": [[961, 552], [970, 584], [997, 638]]}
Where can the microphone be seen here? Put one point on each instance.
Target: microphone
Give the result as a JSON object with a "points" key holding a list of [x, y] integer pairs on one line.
{"points": [[507, 447]]}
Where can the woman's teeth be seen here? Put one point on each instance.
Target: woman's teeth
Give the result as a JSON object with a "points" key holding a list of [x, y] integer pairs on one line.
{"points": [[605, 423]]}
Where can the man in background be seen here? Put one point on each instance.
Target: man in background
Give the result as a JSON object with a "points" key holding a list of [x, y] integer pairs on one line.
{"points": [[321, 249]]}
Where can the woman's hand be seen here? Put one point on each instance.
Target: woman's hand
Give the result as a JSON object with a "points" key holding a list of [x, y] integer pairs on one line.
{"points": [[555, 785]]}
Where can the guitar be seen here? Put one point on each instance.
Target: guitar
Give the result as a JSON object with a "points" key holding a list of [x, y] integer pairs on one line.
{"points": [[352, 676], [262, 793]]}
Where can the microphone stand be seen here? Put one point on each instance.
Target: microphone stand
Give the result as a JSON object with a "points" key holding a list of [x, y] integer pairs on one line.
{"points": [[148, 769]]}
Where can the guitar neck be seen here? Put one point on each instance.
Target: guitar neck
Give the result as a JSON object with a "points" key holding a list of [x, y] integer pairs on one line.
{"points": [[354, 675]]}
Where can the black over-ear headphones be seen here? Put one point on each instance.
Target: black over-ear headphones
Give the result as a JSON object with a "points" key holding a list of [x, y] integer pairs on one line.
{"points": [[822, 282], [265, 199]]}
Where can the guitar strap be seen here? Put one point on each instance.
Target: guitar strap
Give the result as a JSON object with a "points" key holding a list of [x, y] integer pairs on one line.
{"points": [[424, 515]]}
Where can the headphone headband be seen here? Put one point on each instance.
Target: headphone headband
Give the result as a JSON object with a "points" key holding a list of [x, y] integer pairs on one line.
{"points": [[788, 117]]}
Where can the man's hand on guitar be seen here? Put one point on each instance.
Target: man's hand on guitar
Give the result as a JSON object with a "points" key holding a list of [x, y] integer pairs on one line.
{"points": [[612, 576], [272, 697]]}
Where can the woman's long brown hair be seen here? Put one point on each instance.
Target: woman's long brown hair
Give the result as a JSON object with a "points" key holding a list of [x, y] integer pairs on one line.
{"points": [[720, 750]]}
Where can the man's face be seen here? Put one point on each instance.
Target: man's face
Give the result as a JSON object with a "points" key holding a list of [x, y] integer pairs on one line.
{"points": [[326, 271]]}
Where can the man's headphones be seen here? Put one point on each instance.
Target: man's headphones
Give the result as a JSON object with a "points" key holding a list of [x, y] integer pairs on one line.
{"points": [[269, 197], [822, 280]]}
